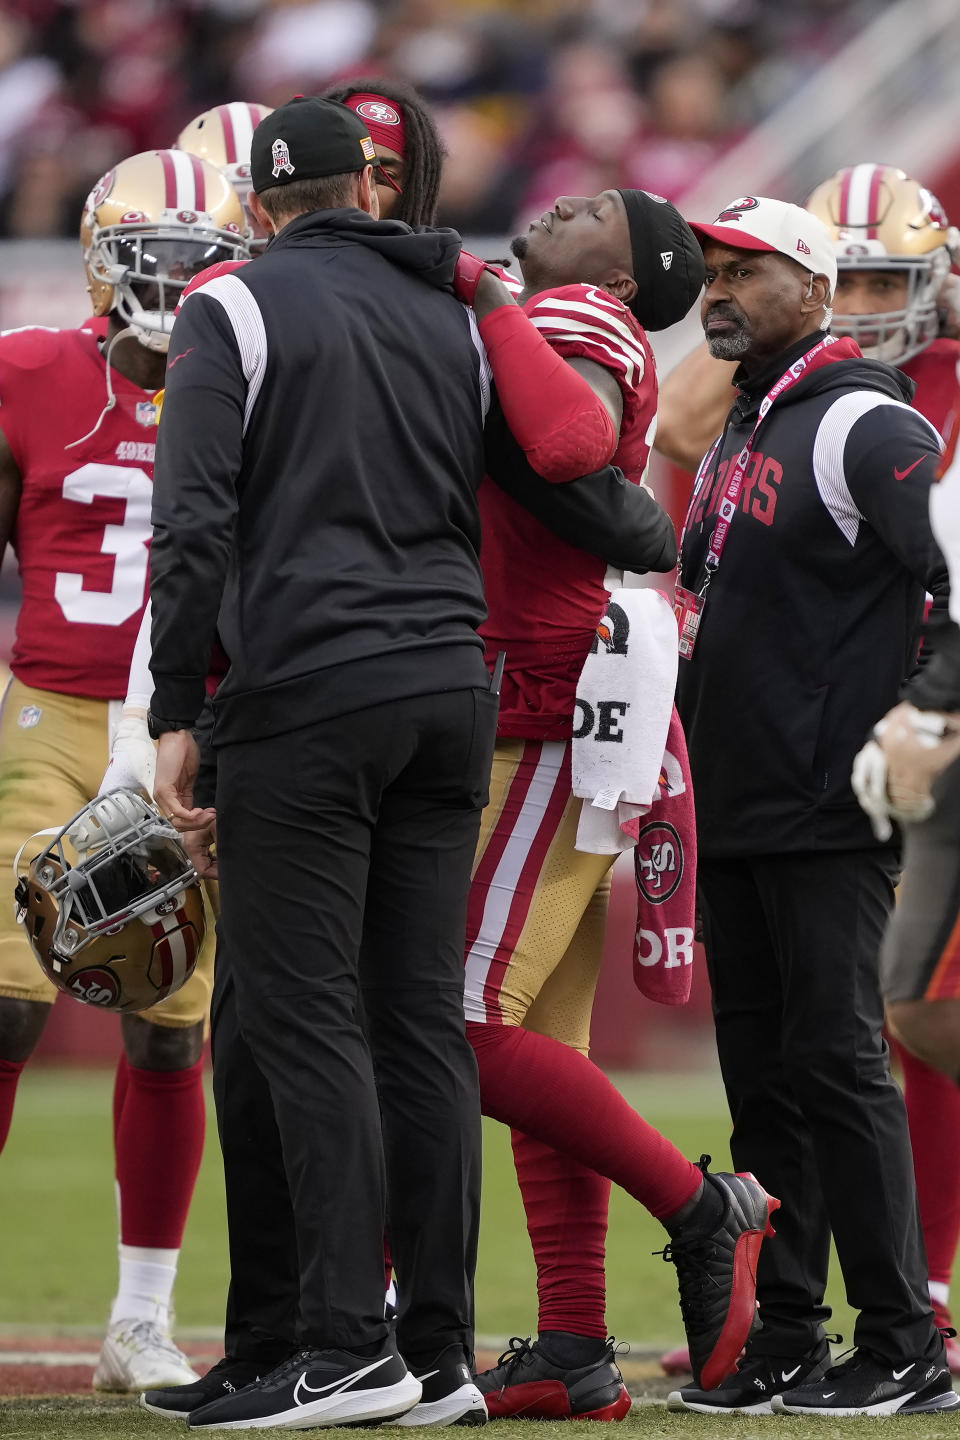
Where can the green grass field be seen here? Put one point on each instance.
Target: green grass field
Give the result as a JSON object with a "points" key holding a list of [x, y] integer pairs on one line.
{"points": [[59, 1238]]}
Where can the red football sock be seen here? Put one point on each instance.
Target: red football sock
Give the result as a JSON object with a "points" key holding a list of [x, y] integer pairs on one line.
{"points": [[10, 1072], [566, 1206], [544, 1088], [121, 1086], [159, 1142], [933, 1109]]}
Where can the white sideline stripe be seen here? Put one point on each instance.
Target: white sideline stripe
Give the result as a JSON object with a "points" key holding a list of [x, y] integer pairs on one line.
{"points": [[503, 883], [52, 1358]]}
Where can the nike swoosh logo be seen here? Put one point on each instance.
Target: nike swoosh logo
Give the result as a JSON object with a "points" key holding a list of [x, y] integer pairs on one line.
{"points": [[335, 1386], [829, 1394], [897, 475], [189, 351], [428, 1376], [899, 1374], [786, 1375]]}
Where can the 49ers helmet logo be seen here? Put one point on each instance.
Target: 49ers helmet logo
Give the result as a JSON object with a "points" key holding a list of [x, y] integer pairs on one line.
{"points": [[658, 861], [736, 209], [96, 986]]}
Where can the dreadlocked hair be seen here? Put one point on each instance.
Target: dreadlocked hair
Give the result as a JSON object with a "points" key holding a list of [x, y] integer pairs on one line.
{"points": [[425, 150]]}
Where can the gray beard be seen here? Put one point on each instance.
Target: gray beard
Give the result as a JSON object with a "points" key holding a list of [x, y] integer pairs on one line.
{"points": [[730, 347]]}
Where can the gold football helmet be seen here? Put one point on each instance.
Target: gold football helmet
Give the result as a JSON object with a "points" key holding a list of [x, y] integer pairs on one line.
{"points": [[120, 925], [151, 224], [881, 219], [223, 136]]}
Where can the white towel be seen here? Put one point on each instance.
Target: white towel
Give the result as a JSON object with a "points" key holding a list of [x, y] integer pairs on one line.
{"points": [[624, 702]]}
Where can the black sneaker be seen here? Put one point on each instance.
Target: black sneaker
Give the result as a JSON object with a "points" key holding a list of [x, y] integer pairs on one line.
{"points": [[525, 1383], [750, 1390], [450, 1395], [867, 1384], [316, 1388], [224, 1378], [717, 1274]]}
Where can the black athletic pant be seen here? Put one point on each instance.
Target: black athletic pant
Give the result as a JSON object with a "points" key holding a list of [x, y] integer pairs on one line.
{"points": [[263, 1300], [345, 851], [792, 946]]}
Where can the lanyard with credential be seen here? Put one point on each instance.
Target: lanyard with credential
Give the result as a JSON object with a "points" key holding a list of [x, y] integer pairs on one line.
{"points": [[688, 604]]}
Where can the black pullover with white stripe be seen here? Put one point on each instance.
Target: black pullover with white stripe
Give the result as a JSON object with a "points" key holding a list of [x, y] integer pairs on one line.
{"points": [[315, 489], [812, 621]]}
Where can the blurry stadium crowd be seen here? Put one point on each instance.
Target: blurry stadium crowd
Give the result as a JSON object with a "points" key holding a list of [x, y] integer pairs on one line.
{"points": [[534, 97]]}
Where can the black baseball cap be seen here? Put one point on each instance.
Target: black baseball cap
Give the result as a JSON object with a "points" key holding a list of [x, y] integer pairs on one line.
{"points": [[667, 260], [306, 139]]}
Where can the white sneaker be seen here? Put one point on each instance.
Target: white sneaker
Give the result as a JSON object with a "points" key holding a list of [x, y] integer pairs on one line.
{"points": [[140, 1355]]}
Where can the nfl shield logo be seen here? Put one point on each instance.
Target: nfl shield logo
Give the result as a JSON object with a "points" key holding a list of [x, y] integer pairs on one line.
{"points": [[29, 717], [281, 158], [147, 413]]}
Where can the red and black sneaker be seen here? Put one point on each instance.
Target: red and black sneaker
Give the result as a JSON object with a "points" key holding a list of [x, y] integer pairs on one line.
{"points": [[716, 1260], [527, 1384]]}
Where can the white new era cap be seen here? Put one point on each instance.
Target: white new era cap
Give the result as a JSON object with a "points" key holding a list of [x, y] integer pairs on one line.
{"points": [[755, 222]]}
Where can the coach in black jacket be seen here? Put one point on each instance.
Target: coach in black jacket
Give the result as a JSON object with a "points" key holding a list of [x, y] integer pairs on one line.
{"points": [[805, 556], [315, 496]]}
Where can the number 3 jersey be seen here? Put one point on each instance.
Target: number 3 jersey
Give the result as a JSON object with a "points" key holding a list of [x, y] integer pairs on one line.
{"points": [[82, 531]]}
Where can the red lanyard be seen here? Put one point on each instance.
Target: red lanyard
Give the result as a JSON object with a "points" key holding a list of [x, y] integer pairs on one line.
{"points": [[734, 482]]}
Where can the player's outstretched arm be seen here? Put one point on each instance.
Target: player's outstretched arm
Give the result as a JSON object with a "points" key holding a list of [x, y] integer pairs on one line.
{"points": [[565, 413], [695, 399], [601, 513], [10, 486]]}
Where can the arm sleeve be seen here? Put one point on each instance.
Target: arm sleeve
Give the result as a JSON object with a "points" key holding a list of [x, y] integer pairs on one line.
{"points": [[601, 513], [140, 682], [561, 424], [199, 454], [890, 461]]}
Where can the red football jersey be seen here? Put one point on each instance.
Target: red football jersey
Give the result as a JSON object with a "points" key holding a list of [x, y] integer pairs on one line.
{"points": [[544, 596], [936, 372], [82, 532]]}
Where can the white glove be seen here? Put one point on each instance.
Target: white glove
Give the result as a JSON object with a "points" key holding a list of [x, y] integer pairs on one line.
{"points": [[133, 758], [869, 781]]}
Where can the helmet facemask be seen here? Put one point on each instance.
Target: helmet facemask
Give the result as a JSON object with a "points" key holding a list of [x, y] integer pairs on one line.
{"points": [[896, 336], [128, 861], [149, 266]]}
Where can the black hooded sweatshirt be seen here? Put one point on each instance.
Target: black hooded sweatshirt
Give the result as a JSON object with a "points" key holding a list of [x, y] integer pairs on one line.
{"points": [[812, 620], [316, 478]]}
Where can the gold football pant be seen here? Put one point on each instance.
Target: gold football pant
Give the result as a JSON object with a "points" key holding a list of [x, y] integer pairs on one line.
{"points": [[53, 752], [538, 907]]}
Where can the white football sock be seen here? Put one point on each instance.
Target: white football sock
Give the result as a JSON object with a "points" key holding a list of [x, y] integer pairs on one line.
{"points": [[146, 1285], [939, 1292]]}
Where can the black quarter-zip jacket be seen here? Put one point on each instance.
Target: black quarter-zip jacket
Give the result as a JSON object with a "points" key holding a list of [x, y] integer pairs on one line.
{"points": [[812, 620]]}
